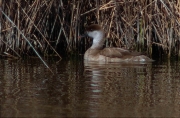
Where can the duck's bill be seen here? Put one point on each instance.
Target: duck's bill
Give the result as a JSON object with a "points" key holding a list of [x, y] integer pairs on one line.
{"points": [[82, 35]]}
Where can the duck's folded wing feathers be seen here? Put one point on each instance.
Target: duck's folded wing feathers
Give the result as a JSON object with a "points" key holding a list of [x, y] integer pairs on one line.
{"points": [[118, 53]]}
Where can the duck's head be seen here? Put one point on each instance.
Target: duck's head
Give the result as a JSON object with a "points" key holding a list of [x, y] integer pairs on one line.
{"points": [[96, 32]]}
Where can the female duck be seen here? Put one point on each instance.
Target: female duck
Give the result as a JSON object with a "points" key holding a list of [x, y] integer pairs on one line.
{"points": [[97, 53]]}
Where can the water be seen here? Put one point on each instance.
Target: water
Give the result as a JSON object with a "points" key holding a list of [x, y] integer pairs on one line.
{"points": [[81, 89]]}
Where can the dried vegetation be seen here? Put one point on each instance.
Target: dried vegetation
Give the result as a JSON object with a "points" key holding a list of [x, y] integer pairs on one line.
{"points": [[45, 27]]}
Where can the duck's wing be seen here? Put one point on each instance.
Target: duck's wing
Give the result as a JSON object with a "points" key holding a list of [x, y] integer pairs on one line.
{"points": [[118, 53]]}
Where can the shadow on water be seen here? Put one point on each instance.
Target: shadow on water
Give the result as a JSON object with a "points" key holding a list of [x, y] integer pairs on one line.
{"points": [[28, 89]]}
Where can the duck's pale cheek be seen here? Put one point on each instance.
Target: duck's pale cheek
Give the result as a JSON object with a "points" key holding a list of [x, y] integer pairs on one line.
{"points": [[89, 34]]}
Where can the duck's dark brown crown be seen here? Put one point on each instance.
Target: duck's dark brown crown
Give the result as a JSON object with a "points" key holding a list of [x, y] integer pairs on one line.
{"points": [[93, 27]]}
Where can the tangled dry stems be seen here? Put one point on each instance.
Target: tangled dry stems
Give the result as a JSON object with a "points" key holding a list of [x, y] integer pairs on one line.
{"points": [[131, 24]]}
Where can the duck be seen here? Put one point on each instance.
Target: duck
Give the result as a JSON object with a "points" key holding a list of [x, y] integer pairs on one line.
{"points": [[97, 52]]}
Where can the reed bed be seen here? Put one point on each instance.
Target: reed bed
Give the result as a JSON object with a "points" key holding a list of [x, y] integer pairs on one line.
{"points": [[52, 27]]}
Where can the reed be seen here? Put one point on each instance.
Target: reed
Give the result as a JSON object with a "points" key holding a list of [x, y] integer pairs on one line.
{"points": [[53, 26]]}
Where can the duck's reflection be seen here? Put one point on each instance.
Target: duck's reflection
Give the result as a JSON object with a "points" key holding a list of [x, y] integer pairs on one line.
{"points": [[118, 85]]}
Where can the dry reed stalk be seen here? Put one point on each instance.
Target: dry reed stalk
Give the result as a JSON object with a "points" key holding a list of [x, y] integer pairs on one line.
{"points": [[116, 17], [70, 38], [76, 23], [97, 11], [0, 20]]}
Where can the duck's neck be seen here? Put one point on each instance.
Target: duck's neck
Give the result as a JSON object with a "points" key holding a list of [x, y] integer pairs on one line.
{"points": [[98, 41], [97, 44]]}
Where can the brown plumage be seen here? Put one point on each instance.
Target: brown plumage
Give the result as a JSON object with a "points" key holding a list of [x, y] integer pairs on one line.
{"points": [[97, 53]]}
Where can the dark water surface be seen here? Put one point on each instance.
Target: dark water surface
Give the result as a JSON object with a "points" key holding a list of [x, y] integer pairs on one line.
{"points": [[28, 89]]}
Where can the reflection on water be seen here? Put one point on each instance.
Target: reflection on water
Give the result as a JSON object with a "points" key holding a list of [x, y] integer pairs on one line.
{"points": [[28, 89]]}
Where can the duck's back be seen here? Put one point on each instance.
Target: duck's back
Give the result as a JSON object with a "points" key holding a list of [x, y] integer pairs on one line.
{"points": [[114, 55]]}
